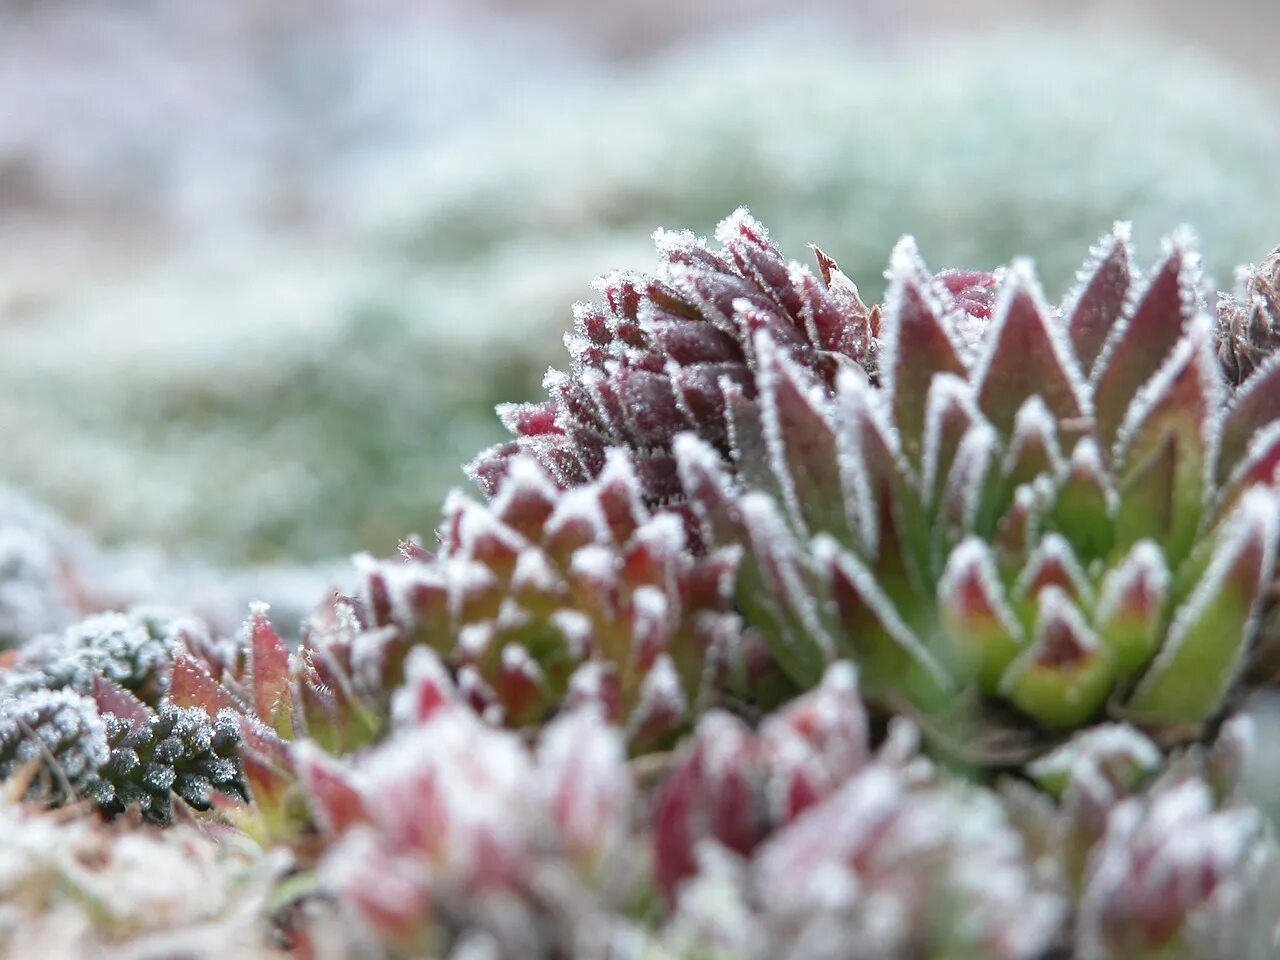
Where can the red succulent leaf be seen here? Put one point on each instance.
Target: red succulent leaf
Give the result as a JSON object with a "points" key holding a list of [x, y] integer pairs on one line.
{"points": [[1100, 301], [1139, 345], [269, 667], [1026, 357], [335, 801], [192, 686], [114, 699]]}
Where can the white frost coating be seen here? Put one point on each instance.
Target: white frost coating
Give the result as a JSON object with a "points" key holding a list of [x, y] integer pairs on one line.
{"points": [[1055, 609], [477, 522], [855, 483], [587, 684], [972, 558], [777, 551], [774, 367], [663, 533], [579, 505], [596, 563], [1196, 347], [1033, 422], [474, 638], [661, 694], [650, 603], [1121, 236], [727, 230], [1021, 278], [533, 571], [1054, 551], [1181, 244], [967, 481], [1261, 444], [575, 627], [1099, 746], [618, 469], [34, 724], [1254, 523], [1143, 564], [422, 668], [516, 660], [723, 742], [860, 409], [524, 477], [670, 242], [906, 268], [829, 554], [948, 394]]}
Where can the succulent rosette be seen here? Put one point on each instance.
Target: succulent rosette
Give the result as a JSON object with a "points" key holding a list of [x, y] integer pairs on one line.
{"points": [[673, 351], [545, 597], [1017, 519], [1048, 515]]}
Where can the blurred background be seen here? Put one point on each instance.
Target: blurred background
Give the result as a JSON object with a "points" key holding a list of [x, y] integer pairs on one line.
{"points": [[266, 268]]}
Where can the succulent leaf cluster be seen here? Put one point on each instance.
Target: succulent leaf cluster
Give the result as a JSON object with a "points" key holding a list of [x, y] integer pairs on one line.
{"points": [[671, 692], [545, 597], [821, 843], [89, 711], [1002, 510]]}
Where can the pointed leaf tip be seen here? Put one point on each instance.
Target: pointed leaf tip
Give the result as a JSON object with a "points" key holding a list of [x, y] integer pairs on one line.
{"points": [[1212, 630], [269, 667]]}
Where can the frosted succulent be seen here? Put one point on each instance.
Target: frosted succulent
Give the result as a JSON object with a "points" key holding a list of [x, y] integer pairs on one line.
{"points": [[135, 650], [1174, 876], [55, 734], [1019, 513], [1249, 320], [673, 352], [798, 842], [452, 830], [544, 598], [172, 751]]}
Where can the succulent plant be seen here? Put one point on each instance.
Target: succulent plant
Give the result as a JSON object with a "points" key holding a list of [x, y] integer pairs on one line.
{"points": [[1004, 512], [1249, 319], [56, 735], [797, 841], [673, 352], [453, 831], [92, 705], [158, 754], [135, 650], [545, 598]]}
